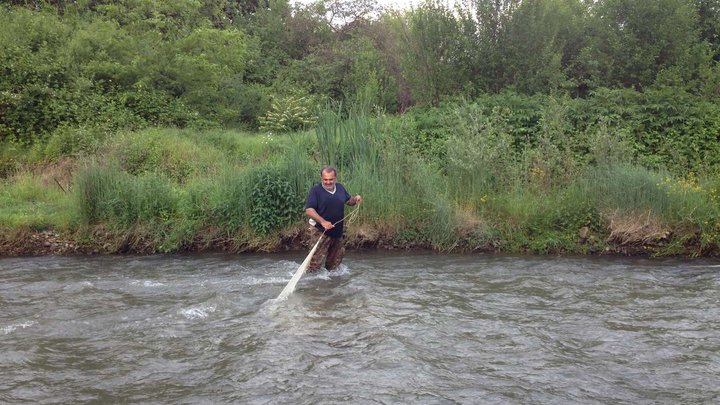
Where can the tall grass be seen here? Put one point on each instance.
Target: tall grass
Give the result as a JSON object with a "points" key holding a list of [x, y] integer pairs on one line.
{"points": [[398, 189], [230, 202], [26, 201], [329, 136], [93, 188], [175, 187], [299, 171], [106, 193], [627, 189]]}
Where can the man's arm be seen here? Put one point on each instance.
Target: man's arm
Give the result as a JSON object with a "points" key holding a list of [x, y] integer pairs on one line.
{"points": [[354, 200], [320, 220]]}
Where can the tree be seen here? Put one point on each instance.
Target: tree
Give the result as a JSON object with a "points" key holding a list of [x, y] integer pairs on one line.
{"points": [[541, 39], [433, 53], [487, 20], [33, 99], [344, 14], [709, 24], [203, 62], [631, 41]]}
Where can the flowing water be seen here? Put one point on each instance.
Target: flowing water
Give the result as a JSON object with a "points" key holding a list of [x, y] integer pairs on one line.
{"points": [[387, 328]]}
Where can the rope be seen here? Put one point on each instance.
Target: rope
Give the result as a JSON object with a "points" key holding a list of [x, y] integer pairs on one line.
{"points": [[352, 215]]}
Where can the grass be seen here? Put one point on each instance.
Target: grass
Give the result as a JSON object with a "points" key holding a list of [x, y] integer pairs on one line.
{"points": [[27, 202], [168, 189]]}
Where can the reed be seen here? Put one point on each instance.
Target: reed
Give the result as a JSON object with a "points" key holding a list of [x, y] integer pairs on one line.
{"points": [[230, 202], [329, 135], [298, 170], [626, 188], [106, 193], [94, 186]]}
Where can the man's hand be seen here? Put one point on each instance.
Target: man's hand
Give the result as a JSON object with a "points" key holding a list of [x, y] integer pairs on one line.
{"points": [[318, 219], [355, 200]]}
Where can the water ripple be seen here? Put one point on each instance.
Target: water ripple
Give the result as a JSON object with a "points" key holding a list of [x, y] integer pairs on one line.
{"points": [[409, 328]]}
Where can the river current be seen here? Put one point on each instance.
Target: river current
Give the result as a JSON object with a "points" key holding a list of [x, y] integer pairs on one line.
{"points": [[386, 328]]}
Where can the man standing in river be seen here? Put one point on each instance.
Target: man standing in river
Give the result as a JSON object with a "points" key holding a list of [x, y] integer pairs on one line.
{"points": [[326, 208]]}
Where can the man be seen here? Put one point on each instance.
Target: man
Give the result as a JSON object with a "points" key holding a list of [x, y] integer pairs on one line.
{"points": [[326, 208]]}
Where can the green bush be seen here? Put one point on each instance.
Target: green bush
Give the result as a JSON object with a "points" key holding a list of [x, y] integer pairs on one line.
{"points": [[481, 157], [664, 128], [11, 155], [177, 155], [274, 204], [74, 141], [426, 129], [290, 113]]}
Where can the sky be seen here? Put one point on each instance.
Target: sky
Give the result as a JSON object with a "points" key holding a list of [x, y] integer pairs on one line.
{"points": [[399, 4]]}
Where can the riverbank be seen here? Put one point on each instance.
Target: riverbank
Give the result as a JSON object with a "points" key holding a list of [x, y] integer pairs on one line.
{"points": [[99, 240], [165, 190]]}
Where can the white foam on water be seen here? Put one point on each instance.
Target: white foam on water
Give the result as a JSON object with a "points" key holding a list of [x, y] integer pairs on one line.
{"points": [[11, 328], [198, 311], [323, 274], [272, 306], [147, 283], [268, 280], [342, 270], [318, 275], [80, 286], [288, 264]]}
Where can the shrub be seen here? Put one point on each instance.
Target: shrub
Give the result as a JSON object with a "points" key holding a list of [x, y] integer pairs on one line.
{"points": [[274, 204], [74, 141], [291, 113], [481, 156], [177, 155]]}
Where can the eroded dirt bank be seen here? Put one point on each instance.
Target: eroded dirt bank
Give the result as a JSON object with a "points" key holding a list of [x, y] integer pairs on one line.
{"points": [[99, 240]]}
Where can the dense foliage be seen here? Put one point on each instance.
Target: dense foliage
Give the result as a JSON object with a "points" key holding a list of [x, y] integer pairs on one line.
{"points": [[196, 63], [513, 125]]}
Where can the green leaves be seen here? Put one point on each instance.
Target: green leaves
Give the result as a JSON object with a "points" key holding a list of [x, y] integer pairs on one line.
{"points": [[190, 63], [432, 39], [632, 41], [289, 113], [273, 202]]}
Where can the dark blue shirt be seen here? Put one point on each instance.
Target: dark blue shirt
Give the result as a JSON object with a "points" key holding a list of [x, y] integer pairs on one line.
{"points": [[329, 206]]}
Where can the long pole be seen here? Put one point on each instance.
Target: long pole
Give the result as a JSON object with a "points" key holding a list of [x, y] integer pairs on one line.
{"points": [[290, 287]]}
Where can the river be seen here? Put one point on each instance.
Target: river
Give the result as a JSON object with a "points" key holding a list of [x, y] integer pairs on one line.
{"points": [[386, 328]]}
